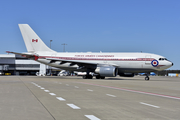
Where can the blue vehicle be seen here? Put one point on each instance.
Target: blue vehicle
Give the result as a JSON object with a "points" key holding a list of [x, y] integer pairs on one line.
{"points": [[151, 74]]}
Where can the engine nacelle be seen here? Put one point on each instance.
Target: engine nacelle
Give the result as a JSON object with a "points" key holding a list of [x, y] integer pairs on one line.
{"points": [[107, 71], [126, 74]]}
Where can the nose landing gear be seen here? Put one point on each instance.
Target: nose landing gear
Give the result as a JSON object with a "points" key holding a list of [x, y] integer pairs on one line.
{"points": [[147, 77]]}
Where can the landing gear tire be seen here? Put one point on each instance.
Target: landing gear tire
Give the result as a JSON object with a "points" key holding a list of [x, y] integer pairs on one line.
{"points": [[84, 76], [146, 78], [87, 77], [90, 77], [100, 77]]}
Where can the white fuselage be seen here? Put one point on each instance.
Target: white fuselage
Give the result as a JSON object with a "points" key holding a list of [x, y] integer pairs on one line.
{"points": [[125, 62]]}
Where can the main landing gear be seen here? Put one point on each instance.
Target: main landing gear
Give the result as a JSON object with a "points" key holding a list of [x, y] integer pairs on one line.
{"points": [[100, 77], [87, 77], [90, 77]]}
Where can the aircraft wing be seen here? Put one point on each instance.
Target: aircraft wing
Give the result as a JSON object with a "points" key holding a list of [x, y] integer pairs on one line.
{"points": [[27, 55], [81, 64], [73, 62], [77, 62]]}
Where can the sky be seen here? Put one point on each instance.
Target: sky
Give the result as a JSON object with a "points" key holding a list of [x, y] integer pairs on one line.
{"points": [[150, 26]]}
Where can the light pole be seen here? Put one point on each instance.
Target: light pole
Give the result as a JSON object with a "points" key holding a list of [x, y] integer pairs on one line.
{"points": [[50, 66], [64, 47], [50, 43]]}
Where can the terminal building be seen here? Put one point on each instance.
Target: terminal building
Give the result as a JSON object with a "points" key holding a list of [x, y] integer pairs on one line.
{"points": [[11, 64]]}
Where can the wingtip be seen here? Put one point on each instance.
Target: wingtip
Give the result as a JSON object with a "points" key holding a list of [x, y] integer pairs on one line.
{"points": [[8, 52]]}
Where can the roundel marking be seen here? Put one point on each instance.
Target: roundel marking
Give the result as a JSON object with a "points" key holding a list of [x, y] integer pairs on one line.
{"points": [[154, 63]]}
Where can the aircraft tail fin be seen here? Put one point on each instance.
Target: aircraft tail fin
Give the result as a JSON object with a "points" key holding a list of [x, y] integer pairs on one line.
{"points": [[32, 41]]}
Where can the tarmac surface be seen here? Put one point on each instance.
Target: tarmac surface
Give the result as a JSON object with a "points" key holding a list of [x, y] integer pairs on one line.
{"points": [[74, 98]]}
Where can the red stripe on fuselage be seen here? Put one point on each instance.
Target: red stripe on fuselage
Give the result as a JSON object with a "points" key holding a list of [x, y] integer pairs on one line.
{"points": [[100, 59]]}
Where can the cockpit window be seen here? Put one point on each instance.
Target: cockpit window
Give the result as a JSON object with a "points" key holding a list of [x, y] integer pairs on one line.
{"points": [[163, 59]]}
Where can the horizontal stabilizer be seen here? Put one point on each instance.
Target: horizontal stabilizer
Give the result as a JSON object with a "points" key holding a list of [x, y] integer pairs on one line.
{"points": [[26, 55]]}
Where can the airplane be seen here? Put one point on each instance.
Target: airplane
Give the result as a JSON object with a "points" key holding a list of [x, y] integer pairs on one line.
{"points": [[124, 64]]}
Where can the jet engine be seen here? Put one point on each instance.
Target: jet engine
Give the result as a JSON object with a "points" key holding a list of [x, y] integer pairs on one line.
{"points": [[107, 71]]}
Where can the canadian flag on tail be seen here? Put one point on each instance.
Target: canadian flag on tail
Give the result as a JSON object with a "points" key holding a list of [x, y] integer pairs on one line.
{"points": [[34, 40]]}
